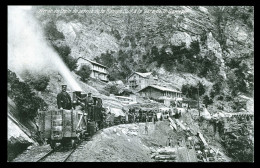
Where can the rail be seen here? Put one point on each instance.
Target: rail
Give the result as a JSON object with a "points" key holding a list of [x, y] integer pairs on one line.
{"points": [[46, 155], [42, 159]]}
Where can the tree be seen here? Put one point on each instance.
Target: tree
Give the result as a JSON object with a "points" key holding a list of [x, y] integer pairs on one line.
{"points": [[38, 81], [106, 59], [192, 91], [64, 52], [84, 72], [185, 89], [112, 89], [52, 33], [207, 100], [154, 54], [141, 68], [201, 88]]}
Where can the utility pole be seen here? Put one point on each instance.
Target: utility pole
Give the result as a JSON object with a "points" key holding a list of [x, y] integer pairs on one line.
{"points": [[198, 100]]}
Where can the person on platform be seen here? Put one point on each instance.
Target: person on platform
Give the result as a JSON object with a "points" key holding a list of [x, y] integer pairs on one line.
{"points": [[64, 99], [89, 101]]}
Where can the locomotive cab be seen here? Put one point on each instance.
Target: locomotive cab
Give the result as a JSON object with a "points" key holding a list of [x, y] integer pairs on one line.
{"points": [[69, 126]]}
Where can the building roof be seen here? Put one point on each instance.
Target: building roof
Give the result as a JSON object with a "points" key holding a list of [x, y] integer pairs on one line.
{"points": [[144, 75], [93, 62], [161, 88], [123, 97], [117, 112]]}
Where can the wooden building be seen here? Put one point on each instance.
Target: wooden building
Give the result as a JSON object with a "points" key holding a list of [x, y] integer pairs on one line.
{"points": [[139, 80], [99, 71], [160, 93]]}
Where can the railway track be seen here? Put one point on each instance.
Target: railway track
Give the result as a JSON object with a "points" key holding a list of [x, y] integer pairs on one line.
{"points": [[60, 154], [45, 156]]}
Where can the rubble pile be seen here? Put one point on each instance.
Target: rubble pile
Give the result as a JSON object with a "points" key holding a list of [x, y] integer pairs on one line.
{"points": [[166, 154], [200, 138]]}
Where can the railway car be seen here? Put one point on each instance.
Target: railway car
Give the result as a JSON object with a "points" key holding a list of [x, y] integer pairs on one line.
{"points": [[60, 126], [70, 126]]}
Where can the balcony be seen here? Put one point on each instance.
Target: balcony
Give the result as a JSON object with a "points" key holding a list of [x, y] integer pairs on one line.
{"points": [[99, 69]]}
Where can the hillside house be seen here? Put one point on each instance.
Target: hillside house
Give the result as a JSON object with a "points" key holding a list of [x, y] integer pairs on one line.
{"points": [[139, 80], [99, 71], [160, 93]]}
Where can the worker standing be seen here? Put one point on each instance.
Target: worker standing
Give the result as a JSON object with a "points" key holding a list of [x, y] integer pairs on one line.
{"points": [[64, 99], [146, 128], [89, 101], [168, 141]]}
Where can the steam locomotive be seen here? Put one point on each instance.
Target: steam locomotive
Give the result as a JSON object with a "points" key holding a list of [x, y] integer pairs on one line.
{"points": [[71, 126]]}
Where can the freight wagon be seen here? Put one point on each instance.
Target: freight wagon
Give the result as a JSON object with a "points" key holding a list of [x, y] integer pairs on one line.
{"points": [[70, 126]]}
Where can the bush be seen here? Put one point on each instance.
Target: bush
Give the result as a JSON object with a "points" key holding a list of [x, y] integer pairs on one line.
{"points": [[142, 70], [192, 91], [220, 97], [52, 33], [112, 89], [104, 92], [206, 100], [84, 72], [38, 82], [116, 34]]}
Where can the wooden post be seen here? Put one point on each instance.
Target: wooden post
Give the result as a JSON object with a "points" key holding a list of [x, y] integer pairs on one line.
{"points": [[198, 100]]}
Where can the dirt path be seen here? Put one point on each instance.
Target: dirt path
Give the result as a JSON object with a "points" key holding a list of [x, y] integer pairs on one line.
{"points": [[122, 143]]}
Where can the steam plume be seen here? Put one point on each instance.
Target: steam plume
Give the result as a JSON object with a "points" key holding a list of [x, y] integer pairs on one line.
{"points": [[28, 49]]}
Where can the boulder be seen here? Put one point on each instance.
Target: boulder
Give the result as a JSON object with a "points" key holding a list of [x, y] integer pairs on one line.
{"points": [[165, 157], [181, 37], [18, 140], [250, 105], [205, 114], [213, 45], [203, 9]]}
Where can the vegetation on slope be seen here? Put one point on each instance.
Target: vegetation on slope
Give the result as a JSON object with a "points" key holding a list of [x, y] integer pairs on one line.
{"points": [[24, 98]]}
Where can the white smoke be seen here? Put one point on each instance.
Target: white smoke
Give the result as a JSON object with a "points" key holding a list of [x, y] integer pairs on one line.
{"points": [[28, 49]]}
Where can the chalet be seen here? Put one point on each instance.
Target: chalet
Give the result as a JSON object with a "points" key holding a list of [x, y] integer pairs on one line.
{"points": [[160, 93], [99, 71], [139, 80]]}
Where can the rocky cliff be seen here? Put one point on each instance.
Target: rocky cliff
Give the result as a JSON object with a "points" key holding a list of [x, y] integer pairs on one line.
{"points": [[226, 31]]}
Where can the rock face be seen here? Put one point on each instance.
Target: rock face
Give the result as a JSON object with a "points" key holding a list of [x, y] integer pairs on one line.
{"points": [[18, 140], [84, 41], [181, 37], [250, 105], [19, 137], [213, 45], [16, 134], [93, 34]]}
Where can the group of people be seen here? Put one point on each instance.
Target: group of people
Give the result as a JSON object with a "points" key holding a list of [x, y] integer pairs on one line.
{"points": [[64, 100], [141, 116]]}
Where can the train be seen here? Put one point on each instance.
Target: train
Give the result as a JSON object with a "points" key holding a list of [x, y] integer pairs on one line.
{"points": [[71, 126]]}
